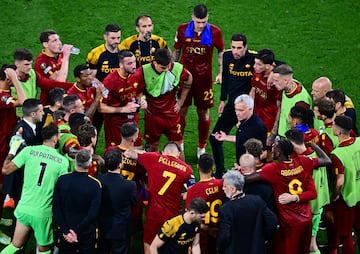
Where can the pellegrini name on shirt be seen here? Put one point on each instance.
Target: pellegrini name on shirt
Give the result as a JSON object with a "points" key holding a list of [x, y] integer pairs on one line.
{"points": [[174, 164]]}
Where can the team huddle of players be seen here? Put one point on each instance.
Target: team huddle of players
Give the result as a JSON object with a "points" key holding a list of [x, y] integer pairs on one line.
{"points": [[275, 116]]}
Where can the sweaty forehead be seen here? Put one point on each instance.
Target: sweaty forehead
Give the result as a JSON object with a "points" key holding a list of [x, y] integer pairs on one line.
{"points": [[114, 34], [129, 59], [145, 21], [198, 20], [317, 86], [276, 75], [237, 44], [53, 37], [86, 71]]}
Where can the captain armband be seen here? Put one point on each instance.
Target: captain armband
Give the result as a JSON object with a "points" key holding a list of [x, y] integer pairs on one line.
{"points": [[190, 182]]}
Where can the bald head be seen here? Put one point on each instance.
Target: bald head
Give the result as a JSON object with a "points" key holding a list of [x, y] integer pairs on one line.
{"points": [[247, 164], [320, 87]]}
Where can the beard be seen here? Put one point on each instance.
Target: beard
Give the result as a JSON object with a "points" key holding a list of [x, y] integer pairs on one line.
{"points": [[130, 71], [147, 36], [57, 144]]}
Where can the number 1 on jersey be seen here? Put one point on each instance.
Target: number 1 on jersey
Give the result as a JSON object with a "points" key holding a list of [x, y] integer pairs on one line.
{"points": [[43, 166]]}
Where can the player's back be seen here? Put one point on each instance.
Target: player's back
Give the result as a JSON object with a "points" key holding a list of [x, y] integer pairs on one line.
{"points": [[294, 177], [166, 178], [43, 166], [211, 191]]}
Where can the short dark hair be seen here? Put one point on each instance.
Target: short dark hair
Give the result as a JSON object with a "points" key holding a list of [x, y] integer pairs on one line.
{"points": [[69, 102], [112, 159], [49, 131], [239, 37], [198, 205], [83, 159], [285, 147], [56, 94], [325, 106], [128, 130], [30, 105], [295, 135], [283, 69], [345, 123], [85, 133], [206, 163], [140, 17], [304, 114], [266, 56], [3, 68], [76, 120], [200, 11], [123, 54], [254, 147], [21, 54], [112, 28], [163, 56], [78, 69], [337, 95], [44, 35]]}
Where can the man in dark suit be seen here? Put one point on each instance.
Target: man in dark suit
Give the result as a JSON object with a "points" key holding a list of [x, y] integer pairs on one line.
{"points": [[245, 222], [26, 133], [76, 205], [118, 195]]}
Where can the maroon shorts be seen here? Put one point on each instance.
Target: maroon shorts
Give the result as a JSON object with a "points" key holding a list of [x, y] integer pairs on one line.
{"points": [[203, 96], [207, 243], [155, 218], [156, 125], [113, 135], [344, 217], [357, 218], [293, 239]]}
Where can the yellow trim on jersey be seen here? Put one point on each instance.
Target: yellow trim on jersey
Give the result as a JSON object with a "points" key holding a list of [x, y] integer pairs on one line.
{"points": [[95, 53], [96, 180], [171, 227], [126, 44]]}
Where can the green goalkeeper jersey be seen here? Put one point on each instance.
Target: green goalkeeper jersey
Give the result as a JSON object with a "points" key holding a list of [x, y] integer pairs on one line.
{"points": [[43, 166]]}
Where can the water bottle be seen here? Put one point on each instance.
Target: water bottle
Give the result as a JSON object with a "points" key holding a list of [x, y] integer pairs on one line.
{"points": [[105, 91], [6, 99], [131, 115], [277, 139], [75, 51], [94, 84]]}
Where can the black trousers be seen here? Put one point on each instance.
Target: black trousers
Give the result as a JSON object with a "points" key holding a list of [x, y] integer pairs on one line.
{"points": [[225, 123], [114, 246], [86, 245]]}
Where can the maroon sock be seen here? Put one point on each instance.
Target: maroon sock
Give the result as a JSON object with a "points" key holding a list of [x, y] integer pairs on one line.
{"points": [[203, 129]]}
